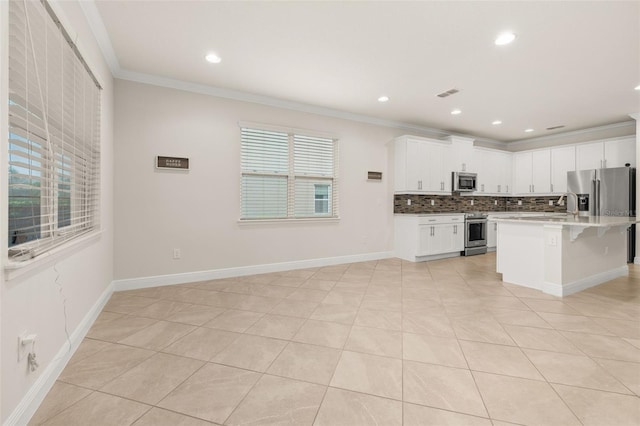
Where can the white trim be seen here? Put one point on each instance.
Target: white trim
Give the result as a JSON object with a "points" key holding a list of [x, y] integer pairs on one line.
{"points": [[43, 384], [212, 274], [298, 220], [573, 133], [286, 129], [562, 290], [91, 13], [636, 260], [15, 269], [635, 116]]}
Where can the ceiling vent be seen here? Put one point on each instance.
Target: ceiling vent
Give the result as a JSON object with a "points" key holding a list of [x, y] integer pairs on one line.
{"points": [[447, 93], [555, 127]]}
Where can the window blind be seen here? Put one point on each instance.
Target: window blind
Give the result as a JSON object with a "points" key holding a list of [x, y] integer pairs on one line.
{"points": [[54, 129], [287, 175]]}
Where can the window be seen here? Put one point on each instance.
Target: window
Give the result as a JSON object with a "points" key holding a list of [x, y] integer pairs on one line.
{"points": [[322, 199], [287, 174], [53, 135]]}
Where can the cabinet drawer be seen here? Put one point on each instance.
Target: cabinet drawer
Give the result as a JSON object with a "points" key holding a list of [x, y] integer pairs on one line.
{"points": [[437, 219]]}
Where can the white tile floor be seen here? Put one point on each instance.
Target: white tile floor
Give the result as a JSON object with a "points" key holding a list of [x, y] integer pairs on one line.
{"points": [[375, 343]]}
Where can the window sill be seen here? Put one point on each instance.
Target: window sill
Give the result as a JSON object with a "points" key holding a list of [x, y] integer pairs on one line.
{"points": [[298, 221], [15, 269]]}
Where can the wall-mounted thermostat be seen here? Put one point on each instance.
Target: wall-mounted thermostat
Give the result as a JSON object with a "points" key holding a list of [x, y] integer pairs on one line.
{"points": [[175, 163]]}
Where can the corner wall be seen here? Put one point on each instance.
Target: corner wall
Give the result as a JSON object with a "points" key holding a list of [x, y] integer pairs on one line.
{"points": [[198, 211], [35, 302]]}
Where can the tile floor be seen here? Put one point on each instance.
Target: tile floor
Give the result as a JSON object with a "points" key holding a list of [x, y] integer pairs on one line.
{"points": [[375, 343]]}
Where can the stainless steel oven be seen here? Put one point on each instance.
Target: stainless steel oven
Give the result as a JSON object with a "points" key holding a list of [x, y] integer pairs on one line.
{"points": [[475, 233]]}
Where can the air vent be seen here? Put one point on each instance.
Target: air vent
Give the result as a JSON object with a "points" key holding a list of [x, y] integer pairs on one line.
{"points": [[447, 93], [555, 127]]}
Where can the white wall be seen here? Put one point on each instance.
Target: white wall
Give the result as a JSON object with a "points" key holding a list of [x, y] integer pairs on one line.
{"points": [[198, 211], [33, 302]]}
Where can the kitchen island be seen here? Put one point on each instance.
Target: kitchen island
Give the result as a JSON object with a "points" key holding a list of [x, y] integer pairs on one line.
{"points": [[562, 254]]}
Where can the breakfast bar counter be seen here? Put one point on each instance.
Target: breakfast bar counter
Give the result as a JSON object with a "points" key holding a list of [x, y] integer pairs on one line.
{"points": [[562, 254]]}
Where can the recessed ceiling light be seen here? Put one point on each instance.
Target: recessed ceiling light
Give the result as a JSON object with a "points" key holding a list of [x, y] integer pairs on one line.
{"points": [[638, 87], [528, 130], [505, 38], [383, 99], [456, 112], [495, 123], [213, 58]]}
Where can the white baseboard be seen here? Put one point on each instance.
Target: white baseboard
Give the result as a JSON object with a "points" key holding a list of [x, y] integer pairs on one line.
{"points": [[43, 384], [190, 277], [584, 283]]}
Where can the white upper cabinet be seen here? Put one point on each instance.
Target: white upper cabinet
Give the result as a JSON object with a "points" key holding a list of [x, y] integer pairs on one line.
{"points": [[563, 160], [421, 165], [463, 156], [532, 172], [494, 171], [424, 165], [606, 154], [620, 152]]}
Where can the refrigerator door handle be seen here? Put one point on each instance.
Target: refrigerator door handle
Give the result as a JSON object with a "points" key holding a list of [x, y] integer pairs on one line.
{"points": [[597, 204]]}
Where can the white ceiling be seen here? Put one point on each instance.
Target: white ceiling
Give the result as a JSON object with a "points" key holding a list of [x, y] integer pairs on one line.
{"points": [[573, 63]]}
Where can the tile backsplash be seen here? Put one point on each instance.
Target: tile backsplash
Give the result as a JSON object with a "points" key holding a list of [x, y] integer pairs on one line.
{"points": [[460, 204]]}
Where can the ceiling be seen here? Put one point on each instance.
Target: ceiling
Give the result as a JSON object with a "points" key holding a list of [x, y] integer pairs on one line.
{"points": [[574, 64]]}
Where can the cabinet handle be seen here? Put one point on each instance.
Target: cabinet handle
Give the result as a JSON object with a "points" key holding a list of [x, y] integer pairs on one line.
{"points": [[482, 187], [433, 231], [499, 188], [604, 163], [464, 167], [551, 187], [507, 188], [533, 188]]}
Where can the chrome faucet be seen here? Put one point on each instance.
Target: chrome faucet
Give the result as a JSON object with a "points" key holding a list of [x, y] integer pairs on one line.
{"points": [[574, 212]]}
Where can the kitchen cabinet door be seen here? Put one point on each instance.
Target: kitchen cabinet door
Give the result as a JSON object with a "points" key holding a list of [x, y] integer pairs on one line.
{"points": [[416, 165], [439, 239], [504, 172], [563, 160], [617, 153], [438, 168], [589, 156], [541, 171], [522, 170]]}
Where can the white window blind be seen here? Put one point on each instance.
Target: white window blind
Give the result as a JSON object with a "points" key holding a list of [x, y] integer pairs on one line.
{"points": [[54, 129], [287, 175]]}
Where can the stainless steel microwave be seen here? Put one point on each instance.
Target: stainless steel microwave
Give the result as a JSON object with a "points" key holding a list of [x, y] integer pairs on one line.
{"points": [[464, 182]]}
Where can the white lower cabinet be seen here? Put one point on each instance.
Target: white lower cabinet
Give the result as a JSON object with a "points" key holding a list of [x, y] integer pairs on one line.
{"points": [[438, 239], [417, 237]]}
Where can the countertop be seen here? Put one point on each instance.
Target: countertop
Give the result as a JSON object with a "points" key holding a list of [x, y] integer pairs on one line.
{"points": [[586, 221]]}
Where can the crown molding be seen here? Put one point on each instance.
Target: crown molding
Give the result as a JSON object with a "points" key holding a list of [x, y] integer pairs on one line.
{"points": [[574, 132], [99, 31], [635, 116]]}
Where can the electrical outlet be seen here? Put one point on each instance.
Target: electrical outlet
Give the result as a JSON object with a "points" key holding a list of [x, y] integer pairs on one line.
{"points": [[495, 202], [519, 202], [472, 202], [550, 202], [553, 241], [176, 254], [409, 202], [433, 202], [606, 251]]}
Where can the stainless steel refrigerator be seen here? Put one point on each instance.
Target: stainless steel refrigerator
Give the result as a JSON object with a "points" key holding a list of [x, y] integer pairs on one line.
{"points": [[605, 192]]}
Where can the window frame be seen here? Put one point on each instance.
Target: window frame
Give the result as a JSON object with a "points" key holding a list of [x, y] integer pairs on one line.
{"points": [[332, 181]]}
